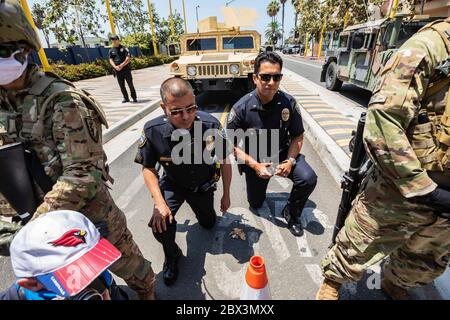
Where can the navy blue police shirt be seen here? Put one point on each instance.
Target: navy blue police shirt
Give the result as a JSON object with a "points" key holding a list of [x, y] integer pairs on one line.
{"points": [[119, 54], [198, 159], [282, 113]]}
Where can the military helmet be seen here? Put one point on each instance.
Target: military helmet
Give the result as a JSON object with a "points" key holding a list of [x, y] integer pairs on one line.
{"points": [[14, 26]]}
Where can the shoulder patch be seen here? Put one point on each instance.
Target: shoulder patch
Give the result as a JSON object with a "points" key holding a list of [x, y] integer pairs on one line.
{"points": [[92, 129], [231, 116], [297, 108], [142, 140]]}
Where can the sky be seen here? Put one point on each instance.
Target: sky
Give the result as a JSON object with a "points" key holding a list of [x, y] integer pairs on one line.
{"points": [[211, 8]]}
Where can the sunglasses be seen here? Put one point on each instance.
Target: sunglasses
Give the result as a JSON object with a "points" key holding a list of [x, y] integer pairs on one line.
{"points": [[266, 77], [189, 110], [7, 50]]}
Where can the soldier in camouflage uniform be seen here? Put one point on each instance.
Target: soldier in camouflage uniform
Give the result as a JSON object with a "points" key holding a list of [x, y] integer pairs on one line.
{"points": [[403, 209], [63, 126]]}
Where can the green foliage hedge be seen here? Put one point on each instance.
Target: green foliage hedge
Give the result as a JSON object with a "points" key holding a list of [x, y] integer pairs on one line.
{"points": [[101, 67]]}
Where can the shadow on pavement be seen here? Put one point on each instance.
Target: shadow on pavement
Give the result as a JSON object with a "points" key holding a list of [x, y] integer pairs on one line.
{"points": [[200, 242]]}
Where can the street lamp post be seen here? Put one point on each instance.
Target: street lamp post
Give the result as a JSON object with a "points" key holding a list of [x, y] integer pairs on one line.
{"points": [[150, 14], [184, 14], [226, 4], [196, 12]]}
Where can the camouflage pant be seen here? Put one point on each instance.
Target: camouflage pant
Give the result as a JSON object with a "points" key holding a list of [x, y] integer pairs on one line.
{"points": [[132, 267], [383, 223]]}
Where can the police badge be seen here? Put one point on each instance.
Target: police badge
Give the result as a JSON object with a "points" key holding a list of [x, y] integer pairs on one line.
{"points": [[285, 114], [209, 143], [231, 116]]}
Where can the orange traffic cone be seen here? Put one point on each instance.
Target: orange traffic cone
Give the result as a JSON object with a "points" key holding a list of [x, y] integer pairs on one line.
{"points": [[256, 286]]}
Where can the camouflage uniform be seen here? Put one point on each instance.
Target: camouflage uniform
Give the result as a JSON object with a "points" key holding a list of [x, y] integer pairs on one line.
{"points": [[69, 147], [411, 159]]}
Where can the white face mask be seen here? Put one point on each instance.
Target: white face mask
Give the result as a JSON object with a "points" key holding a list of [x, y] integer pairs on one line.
{"points": [[11, 69]]}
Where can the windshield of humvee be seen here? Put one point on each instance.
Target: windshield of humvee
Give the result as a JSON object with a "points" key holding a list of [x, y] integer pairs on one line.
{"points": [[234, 43], [201, 44]]}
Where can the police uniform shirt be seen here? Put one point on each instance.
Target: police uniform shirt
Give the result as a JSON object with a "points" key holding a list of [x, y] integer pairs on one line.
{"points": [[281, 113], [119, 54], [156, 146]]}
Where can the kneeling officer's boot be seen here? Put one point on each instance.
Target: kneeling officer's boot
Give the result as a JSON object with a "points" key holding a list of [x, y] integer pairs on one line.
{"points": [[170, 269], [292, 216]]}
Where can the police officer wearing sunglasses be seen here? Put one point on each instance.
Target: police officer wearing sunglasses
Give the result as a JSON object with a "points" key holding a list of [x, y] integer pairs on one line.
{"points": [[174, 140], [272, 109]]}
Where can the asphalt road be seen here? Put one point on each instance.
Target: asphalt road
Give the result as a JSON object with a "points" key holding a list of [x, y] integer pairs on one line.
{"points": [[312, 69], [213, 264]]}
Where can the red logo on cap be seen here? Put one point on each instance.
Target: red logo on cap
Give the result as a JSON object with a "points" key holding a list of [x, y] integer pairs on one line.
{"points": [[71, 238]]}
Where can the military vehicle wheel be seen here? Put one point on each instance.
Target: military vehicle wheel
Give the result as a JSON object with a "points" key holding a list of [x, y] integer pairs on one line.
{"points": [[331, 80]]}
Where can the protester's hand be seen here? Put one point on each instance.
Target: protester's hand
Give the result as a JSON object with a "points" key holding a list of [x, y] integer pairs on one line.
{"points": [[262, 171], [284, 169], [225, 203], [118, 68], [159, 217]]}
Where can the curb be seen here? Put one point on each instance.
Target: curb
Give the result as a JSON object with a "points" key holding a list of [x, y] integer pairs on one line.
{"points": [[127, 122]]}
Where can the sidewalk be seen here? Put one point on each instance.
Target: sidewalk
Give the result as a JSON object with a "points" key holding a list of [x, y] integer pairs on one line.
{"points": [[106, 89], [328, 127]]}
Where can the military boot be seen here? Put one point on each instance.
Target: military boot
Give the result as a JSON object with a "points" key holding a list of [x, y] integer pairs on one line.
{"points": [[170, 268], [393, 291], [292, 216], [329, 290]]}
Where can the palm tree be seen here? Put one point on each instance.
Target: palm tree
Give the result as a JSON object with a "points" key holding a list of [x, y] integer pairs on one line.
{"points": [[272, 9], [296, 4], [273, 33], [282, 21]]}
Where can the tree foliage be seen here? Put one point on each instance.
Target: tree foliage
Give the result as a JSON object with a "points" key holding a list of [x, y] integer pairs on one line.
{"points": [[129, 16], [73, 20], [39, 14], [272, 9], [163, 29], [273, 33]]}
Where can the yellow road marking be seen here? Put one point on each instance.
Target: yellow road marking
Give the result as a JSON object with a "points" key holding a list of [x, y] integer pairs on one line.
{"points": [[339, 131], [343, 142], [225, 114], [321, 116], [331, 123]]}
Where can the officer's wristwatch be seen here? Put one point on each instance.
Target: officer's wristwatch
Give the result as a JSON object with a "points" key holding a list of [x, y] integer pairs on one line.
{"points": [[292, 160]]}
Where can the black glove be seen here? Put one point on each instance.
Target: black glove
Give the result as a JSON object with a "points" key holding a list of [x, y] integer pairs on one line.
{"points": [[102, 228], [439, 200]]}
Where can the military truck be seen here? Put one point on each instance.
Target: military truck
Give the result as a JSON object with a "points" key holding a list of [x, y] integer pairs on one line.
{"points": [[359, 52], [217, 57]]}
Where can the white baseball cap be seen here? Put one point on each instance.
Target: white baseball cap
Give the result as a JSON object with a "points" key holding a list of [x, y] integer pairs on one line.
{"points": [[63, 250]]}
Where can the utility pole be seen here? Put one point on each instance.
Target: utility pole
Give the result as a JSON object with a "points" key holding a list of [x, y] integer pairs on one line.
{"points": [[150, 14], [41, 51], [110, 18], [394, 9], [321, 39], [184, 15], [172, 32], [196, 12]]}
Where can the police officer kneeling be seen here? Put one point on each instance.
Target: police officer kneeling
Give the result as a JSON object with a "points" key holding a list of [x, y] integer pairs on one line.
{"points": [[185, 177], [274, 110]]}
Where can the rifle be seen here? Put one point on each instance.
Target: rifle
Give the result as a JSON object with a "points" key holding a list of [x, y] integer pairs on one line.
{"points": [[351, 181], [19, 170]]}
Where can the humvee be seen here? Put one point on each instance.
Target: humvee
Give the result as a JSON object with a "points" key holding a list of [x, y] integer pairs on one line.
{"points": [[360, 51], [217, 57]]}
